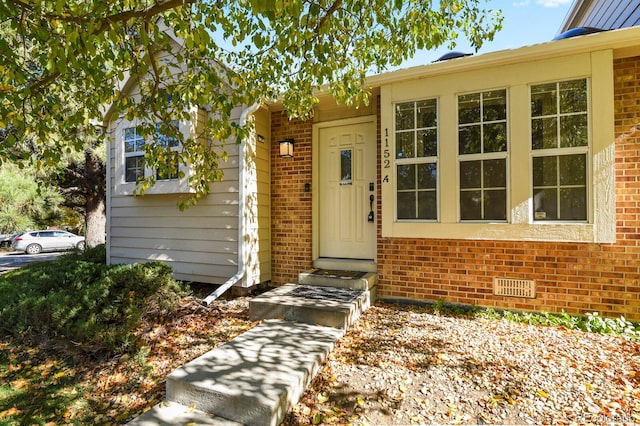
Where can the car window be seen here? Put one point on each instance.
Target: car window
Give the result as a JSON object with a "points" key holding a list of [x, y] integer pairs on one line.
{"points": [[61, 234], [46, 234]]}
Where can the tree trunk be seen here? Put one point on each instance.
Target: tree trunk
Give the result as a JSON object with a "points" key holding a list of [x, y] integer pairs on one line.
{"points": [[95, 213], [96, 222]]}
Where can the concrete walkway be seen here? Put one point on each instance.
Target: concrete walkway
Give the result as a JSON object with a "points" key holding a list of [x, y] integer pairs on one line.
{"points": [[256, 378]]}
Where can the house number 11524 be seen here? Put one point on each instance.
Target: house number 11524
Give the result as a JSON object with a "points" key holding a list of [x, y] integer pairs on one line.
{"points": [[386, 153]]}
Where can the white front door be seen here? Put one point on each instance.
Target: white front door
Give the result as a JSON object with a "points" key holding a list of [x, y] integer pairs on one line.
{"points": [[347, 176]]}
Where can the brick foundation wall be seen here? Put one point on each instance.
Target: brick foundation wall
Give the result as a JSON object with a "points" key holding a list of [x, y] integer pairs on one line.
{"points": [[574, 277]]}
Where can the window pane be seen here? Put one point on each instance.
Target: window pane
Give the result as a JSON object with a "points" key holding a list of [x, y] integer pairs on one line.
{"points": [[133, 142], [545, 204], [573, 131], [405, 116], [495, 173], [134, 169], [573, 170], [494, 105], [428, 143], [469, 108], [416, 137], [345, 164], [469, 140], [573, 96], [544, 133], [427, 113], [427, 176], [495, 137], [573, 204], [129, 139], [543, 100], [495, 205], [406, 205], [406, 176], [470, 205], [405, 144], [129, 145], [470, 172], [173, 167], [545, 172], [163, 132], [427, 207]]}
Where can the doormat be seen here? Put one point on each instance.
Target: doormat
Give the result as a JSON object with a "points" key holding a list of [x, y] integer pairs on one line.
{"points": [[335, 294], [334, 273]]}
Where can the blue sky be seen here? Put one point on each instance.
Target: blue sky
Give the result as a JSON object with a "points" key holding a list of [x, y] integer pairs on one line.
{"points": [[526, 22]]}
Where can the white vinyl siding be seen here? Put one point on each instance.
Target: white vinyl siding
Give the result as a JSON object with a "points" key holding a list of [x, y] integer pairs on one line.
{"points": [[199, 243]]}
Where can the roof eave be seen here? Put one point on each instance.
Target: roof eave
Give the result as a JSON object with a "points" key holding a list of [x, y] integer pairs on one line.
{"points": [[624, 42]]}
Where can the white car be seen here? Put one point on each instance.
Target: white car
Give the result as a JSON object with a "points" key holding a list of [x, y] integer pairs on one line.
{"points": [[34, 242]]}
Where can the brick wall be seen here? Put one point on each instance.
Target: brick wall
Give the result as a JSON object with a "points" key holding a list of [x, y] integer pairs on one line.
{"points": [[574, 277], [290, 204]]}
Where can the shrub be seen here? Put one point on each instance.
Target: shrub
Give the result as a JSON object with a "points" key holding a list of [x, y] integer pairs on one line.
{"points": [[592, 322], [81, 300]]}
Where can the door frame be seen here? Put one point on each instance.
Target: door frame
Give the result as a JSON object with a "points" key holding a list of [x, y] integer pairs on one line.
{"points": [[315, 173]]}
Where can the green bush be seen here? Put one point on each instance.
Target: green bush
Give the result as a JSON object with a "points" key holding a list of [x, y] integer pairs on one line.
{"points": [[81, 300]]}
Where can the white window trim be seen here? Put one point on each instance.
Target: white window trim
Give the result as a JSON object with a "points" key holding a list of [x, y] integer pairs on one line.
{"points": [[131, 154], [416, 160], [562, 151], [517, 77], [173, 149], [164, 186], [502, 155]]}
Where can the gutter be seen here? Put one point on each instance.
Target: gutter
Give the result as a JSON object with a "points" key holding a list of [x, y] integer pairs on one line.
{"points": [[241, 205]]}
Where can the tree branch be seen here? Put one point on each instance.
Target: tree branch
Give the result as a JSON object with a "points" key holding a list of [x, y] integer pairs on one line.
{"points": [[336, 4], [145, 14]]}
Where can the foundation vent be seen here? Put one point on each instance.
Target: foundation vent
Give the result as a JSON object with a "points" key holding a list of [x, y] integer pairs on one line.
{"points": [[512, 287]]}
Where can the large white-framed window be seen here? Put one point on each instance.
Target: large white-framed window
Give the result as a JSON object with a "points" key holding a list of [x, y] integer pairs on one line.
{"points": [[526, 148], [560, 150], [416, 160], [482, 153]]}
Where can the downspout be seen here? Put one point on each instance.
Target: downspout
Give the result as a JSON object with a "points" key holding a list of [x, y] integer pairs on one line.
{"points": [[241, 204]]}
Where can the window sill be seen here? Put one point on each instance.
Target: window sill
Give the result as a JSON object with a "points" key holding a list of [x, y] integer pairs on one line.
{"points": [[565, 232], [161, 187]]}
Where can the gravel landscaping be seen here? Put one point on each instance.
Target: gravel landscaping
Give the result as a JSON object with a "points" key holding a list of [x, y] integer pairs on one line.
{"points": [[407, 365]]}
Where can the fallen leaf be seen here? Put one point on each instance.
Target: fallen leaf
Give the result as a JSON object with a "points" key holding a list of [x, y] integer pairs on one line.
{"points": [[10, 412], [318, 418]]}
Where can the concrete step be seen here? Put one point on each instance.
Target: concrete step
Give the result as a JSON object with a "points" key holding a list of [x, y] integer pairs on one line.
{"points": [[257, 377], [351, 280], [171, 413], [345, 264], [311, 304]]}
